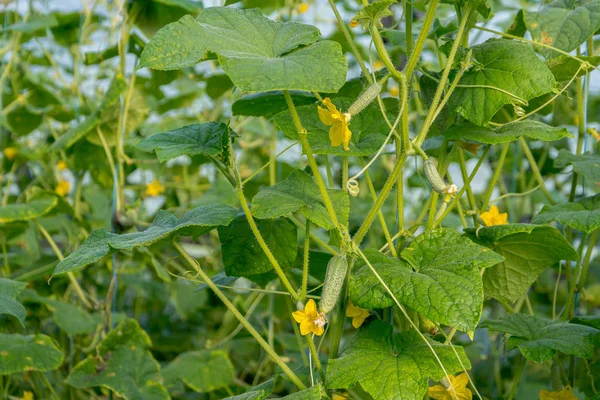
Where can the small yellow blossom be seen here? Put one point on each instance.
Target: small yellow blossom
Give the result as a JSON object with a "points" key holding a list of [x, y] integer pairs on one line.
{"points": [[459, 383], [594, 134], [310, 319], [394, 91], [493, 217], [61, 165], [357, 314], [155, 188], [10, 153], [63, 187], [342, 396], [302, 8], [353, 23], [377, 65], [565, 394], [27, 395], [339, 132]]}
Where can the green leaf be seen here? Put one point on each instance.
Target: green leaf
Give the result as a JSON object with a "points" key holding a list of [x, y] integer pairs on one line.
{"points": [[587, 320], [81, 129], [9, 290], [503, 64], [202, 371], [259, 392], [316, 392], [369, 129], [27, 211], [564, 24], [259, 54], [193, 223], [176, 45], [583, 215], [268, 104], [441, 280], [392, 366], [564, 68], [20, 353], [586, 165], [528, 250], [92, 250], [208, 139], [242, 255], [123, 364], [539, 338], [506, 133], [374, 12], [299, 191]]}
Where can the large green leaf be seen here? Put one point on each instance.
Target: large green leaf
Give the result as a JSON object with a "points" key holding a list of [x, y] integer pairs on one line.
{"points": [[316, 392], [177, 45], [586, 165], [299, 191], [583, 215], [9, 290], [503, 64], [528, 250], [258, 54], [123, 364], [259, 392], [268, 104], [369, 129], [202, 371], [539, 338], [564, 68], [506, 133], [26, 211], [242, 255], [193, 223], [441, 281], [208, 139], [392, 366], [564, 24], [20, 353]]}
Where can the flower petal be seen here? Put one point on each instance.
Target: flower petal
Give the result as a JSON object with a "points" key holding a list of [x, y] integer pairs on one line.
{"points": [[438, 392], [336, 134], [311, 307], [306, 327], [330, 106], [299, 316], [359, 319], [325, 116], [347, 136]]}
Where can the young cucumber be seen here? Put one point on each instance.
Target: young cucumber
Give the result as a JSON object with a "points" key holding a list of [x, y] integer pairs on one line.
{"points": [[334, 280]]}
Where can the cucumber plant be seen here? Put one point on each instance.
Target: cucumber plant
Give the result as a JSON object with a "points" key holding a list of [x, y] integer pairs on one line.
{"points": [[361, 199]]}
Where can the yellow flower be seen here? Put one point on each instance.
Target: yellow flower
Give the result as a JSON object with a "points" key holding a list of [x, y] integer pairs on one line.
{"points": [[493, 217], [353, 23], [63, 187], [10, 153], [357, 314], [394, 91], [461, 392], [594, 134], [377, 65], [27, 395], [155, 188], [565, 394], [339, 132], [61, 165], [302, 8], [310, 319]]}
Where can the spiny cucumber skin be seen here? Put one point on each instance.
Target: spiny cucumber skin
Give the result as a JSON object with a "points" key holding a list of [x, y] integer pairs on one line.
{"points": [[433, 176], [365, 99], [334, 281]]}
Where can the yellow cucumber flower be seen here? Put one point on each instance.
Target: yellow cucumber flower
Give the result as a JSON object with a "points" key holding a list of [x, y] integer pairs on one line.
{"points": [[377, 65], [10, 153], [61, 165], [353, 23], [565, 394], [394, 91], [357, 314], [63, 187], [27, 395], [155, 188], [310, 319], [339, 132], [493, 217], [302, 8], [459, 383]]}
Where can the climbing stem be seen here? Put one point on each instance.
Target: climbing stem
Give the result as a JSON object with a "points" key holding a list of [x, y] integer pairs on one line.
{"points": [[302, 294], [315, 356], [270, 351], [535, 170], [495, 177]]}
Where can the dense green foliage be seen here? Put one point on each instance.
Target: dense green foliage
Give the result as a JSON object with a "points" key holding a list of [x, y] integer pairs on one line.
{"points": [[299, 199]]}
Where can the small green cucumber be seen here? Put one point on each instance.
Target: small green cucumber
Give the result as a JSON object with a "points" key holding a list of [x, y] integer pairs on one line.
{"points": [[365, 98], [334, 280], [433, 176]]}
